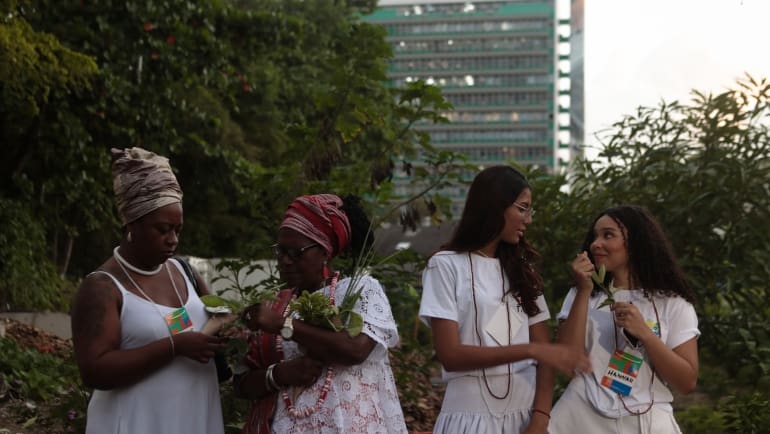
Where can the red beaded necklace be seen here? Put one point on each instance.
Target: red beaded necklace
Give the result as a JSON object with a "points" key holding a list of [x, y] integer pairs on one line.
{"points": [[294, 412]]}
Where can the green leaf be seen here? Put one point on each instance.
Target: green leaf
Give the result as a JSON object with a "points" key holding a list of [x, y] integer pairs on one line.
{"points": [[609, 301], [355, 324], [213, 300]]}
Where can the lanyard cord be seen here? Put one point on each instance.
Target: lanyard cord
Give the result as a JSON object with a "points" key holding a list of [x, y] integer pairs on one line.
{"points": [[478, 335], [659, 333]]}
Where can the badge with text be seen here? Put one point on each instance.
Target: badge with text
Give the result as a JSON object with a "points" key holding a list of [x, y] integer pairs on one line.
{"points": [[622, 371], [178, 321]]}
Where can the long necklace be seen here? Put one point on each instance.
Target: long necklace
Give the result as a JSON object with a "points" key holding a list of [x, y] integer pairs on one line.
{"points": [[126, 264], [294, 412], [478, 335], [659, 333]]}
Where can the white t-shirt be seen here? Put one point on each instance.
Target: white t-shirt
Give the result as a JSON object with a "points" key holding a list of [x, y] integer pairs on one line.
{"points": [[447, 294], [676, 322]]}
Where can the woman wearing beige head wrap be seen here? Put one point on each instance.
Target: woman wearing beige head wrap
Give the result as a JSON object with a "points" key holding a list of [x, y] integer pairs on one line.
{"points": [[136, 319]]}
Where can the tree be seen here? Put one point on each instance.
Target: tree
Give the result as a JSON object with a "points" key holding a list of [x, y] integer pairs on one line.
{"points": [[255, 102], [704, 169], [43, 142]]}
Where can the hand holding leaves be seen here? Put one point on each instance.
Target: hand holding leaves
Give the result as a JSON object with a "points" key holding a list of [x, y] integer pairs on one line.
{"points": [[315, 309]]}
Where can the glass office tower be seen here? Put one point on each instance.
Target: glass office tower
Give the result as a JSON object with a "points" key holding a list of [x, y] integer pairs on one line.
{"points": [[504, 66]]}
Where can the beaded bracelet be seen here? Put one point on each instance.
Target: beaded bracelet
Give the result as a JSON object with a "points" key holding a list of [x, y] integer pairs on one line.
{"points": [[543, 412]]}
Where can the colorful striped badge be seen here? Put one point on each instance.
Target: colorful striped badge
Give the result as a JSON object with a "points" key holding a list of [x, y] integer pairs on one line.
{"points": [[178, 321], [622, 371]]}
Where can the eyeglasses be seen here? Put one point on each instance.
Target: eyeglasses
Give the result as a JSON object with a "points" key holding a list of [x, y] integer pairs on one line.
{"points": [[294, 254], [526, 211]]}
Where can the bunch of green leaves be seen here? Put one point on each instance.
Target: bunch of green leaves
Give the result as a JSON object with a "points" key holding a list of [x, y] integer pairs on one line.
{"points": [[608, 289], [315, 308]]}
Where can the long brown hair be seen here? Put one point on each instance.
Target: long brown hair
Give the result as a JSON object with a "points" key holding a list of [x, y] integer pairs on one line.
{"points": [[494, 190]]}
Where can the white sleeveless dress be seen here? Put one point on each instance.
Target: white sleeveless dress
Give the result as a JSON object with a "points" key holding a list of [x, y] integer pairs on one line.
{"points": [[180, 398]]}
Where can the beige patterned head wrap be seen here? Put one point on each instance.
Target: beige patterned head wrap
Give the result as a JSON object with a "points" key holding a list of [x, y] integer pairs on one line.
{"points": [[143, 182]]}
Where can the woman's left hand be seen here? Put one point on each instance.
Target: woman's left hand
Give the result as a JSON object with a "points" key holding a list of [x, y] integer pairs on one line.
{"points": [[629, 318]]}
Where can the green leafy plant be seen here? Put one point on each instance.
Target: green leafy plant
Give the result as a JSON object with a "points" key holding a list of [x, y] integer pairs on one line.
{"points": [[598, 278], [315, 309]]}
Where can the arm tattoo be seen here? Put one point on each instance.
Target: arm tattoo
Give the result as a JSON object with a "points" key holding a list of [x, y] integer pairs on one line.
{"points": [[97, 294]]}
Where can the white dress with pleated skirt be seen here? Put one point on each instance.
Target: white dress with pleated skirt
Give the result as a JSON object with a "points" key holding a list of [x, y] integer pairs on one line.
{"points": [[473, 404]]}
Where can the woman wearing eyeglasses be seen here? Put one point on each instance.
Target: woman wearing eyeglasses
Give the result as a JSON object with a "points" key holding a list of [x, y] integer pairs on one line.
{"points": [[643, 343], [482, 298], [304, 378]]}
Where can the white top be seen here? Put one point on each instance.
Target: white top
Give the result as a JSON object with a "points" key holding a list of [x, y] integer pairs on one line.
{"points": [[362, 398], [447, 294], [180, 398], [678, 324]]}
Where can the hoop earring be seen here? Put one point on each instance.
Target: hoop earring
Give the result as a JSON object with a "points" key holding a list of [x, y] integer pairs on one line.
{"points": [[129, 237]]}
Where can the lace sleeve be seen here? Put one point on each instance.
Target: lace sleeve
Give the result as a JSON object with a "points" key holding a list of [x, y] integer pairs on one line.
{"points": [[374, 308]]}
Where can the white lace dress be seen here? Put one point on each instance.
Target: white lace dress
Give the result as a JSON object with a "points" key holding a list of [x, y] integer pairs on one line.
{"points": [[362, 398]]}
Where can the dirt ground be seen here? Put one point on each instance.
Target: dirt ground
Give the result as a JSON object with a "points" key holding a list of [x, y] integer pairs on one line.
{"points": [[33, 338]]}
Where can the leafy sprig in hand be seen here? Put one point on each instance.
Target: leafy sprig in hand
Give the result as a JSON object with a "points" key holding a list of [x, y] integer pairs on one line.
{"points": [[609, 290], [315, 309]]}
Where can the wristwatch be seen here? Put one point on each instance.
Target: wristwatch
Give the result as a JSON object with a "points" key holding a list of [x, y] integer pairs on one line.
{"points": [[287, 331]]}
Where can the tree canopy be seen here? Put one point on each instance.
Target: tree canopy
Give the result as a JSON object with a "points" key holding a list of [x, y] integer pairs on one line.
{"points": [[254, 102]]}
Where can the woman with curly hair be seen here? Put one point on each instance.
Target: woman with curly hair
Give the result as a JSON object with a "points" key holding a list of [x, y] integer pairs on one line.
{"points": [[483, 300], [642, 342]]}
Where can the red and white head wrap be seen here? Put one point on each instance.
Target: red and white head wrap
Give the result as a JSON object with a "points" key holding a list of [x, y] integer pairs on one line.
{"points": [[320, 218]]}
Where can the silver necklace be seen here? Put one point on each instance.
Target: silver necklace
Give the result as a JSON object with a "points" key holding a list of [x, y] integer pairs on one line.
{"points": [[125, 264]]}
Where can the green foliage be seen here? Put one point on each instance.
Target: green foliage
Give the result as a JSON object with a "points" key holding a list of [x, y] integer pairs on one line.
{"points": [[744, 413], [702, 168], [255, 102], [701, 418], [35, 376], [21, 268]]}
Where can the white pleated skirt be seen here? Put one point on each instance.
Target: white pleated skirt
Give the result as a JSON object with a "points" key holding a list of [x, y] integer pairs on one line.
{"points": [[469, 408]]}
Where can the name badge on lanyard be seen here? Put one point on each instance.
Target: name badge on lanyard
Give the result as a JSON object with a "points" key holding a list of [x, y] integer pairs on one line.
{"points": [[178, 321], [622, 370]]}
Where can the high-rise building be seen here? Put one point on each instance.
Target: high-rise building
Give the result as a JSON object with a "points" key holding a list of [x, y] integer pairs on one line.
{"points": [[504, 65]]}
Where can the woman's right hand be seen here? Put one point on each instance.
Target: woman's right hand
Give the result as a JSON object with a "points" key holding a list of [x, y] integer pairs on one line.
{"points": [[582, 269], [261, 316], [563, 358], [197, 346], [302, 371]]}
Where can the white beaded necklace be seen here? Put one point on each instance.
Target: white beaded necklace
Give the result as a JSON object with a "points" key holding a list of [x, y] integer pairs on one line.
{"points": [[125, 264], [139, 288]]}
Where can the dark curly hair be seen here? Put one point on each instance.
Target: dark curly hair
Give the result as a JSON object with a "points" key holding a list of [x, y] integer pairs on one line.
{"points": [[651, 261], [361, 232], [494, 190]]}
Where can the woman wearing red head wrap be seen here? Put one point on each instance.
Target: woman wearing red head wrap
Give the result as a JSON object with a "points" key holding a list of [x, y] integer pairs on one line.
{"points": [[304, 378]]}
